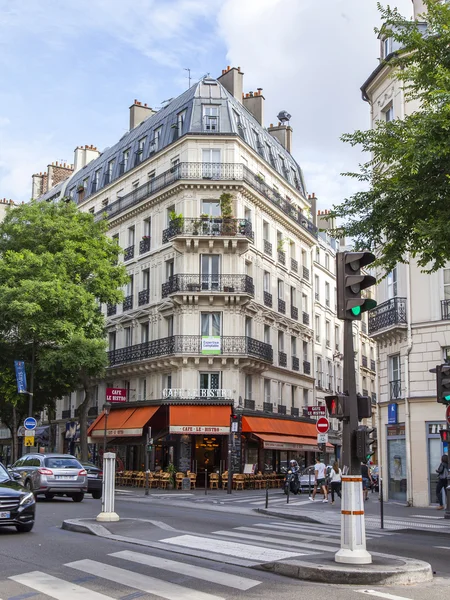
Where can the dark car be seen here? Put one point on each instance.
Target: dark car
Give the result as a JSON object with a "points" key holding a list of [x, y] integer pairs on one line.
{"points": [[17, 504], [95, 479]]}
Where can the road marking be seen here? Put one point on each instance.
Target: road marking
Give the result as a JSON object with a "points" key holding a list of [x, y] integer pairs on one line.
{"points": [[57, 588], [382, 595], [443, 547], [226, 579], [255, 553], [145, 583], [426, 517], [286, 534], [319, 531], [280, 542]]}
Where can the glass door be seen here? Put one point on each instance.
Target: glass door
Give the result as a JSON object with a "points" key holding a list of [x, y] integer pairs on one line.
{"points": [[211, 324], [211, 168], [210, 272]]}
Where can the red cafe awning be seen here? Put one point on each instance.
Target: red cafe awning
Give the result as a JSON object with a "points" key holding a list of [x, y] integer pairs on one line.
{"points": [[200, 420], [122, 422], [282, 434]]}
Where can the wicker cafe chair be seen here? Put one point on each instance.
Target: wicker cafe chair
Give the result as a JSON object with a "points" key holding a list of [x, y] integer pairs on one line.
{"points": [[258, 481], [165, 478], [239, 481], [193, 478], [179, 480], [224, 480], [214, 481]]}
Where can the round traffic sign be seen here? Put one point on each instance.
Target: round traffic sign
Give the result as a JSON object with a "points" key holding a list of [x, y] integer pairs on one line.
{"points": [[322, 425], [447, 414], [30, 423]]}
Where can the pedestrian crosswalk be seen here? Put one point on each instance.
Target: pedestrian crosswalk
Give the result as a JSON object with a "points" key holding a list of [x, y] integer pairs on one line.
{"points": [[163, 578]]}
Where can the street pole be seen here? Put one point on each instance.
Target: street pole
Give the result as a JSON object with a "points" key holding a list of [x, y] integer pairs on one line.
{"points": [[30, 399], [230, 471], [350, 424], [106, 408], [147, 452]]}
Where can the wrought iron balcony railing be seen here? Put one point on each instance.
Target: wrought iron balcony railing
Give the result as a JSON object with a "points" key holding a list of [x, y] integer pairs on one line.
{"points": [[250, 404], [294, 265], [66, 414], [445, 310], [294, 312], [372, 365], [282, 359], [294, 411], [111, 310], [127, 303], [93, 411], [281, 257], [295, 363], [365, 392], [192, 344], [364, 361], [306, 273], [267, 247], [281, 306], [395, 389], [268, 406], [281, 409], [387, 314], [144, 296], [208, 227], [305, 318], [144, 245], [128, 253], [306, 367], [268, 299], [208, 283]]}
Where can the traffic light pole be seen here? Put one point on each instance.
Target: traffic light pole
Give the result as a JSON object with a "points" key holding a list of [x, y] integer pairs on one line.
{"points": [[350, 424]]}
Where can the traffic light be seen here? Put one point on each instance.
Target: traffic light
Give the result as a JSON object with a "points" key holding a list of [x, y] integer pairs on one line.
{"points": [[350, 281], [337, 406], [235, 423], [370, 442], [445, 436], [364, 443], [364, 407], [443, 383]]}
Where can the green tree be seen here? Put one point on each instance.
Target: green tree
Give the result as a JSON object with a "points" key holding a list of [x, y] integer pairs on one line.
{"points": [[403, 209], [57, 266]]}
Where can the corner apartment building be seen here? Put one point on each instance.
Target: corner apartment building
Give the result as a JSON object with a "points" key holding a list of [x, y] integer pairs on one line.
{"points": [[410, 326]]}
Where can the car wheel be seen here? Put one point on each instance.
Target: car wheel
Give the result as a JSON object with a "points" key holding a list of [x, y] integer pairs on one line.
{"points": [[29, 485], [25, 527], [96, 495], [78, 497], [49, 496]]}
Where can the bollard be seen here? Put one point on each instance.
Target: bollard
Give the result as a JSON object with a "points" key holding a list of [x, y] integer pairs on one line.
{"points": [[353, 531], [380, 491], [289, 491], [447, 510], [109, 476], [267, 494], [206, 481]]}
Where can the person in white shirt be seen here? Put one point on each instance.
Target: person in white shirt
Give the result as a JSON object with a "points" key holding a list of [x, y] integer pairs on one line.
{"points": [[320, 474], [335, 481]]}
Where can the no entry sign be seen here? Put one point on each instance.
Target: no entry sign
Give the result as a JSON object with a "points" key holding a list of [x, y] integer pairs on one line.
{"points": [[322, 425]]}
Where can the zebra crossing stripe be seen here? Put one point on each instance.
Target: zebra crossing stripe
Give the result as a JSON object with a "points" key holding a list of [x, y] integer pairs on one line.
{"points": [[306, 547], [225, 579], [57, 588], [145, 583], [216, 546], [285, 534], [319, 530]]}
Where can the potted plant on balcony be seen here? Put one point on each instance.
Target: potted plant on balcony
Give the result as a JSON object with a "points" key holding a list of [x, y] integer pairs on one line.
{"points": [[176, 221], [226, 207], [80, 188]]}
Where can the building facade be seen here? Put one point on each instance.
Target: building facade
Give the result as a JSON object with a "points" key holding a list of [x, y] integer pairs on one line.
{"points": [[411, 328]]}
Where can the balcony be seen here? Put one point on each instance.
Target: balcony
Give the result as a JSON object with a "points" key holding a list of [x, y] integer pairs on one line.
{"points": [[267, 247], [281, 306], [388, 314], [191, 344], [268, 299], [294, 265], [282, 359], [267, 407], [66, 414], [111, 310], [445, 312], [295, 363], [282, 257], [364, 361], [372, 365], [294, 411], [395, 391], [294, 312], [306, 273], [365, 393], [93, 411], [305, 318], [250, 404], [206, 227], [128, 253], [229, 284], [143, 298], [374, 398], [144, 245], [316, 295], [281, 409], [127, 303], [306, 367]]}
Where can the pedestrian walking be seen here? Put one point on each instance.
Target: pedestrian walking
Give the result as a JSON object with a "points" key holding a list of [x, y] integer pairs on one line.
{"points": [[319, 474], [335, 481], [442, 483], [366, 480]]}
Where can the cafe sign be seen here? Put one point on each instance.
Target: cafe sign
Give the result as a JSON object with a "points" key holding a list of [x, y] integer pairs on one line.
{"points": [[199, 429], [181, 394]]}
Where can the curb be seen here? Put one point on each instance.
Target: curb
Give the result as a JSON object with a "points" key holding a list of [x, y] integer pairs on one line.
{"points": [[412, 571], [274, 513]]}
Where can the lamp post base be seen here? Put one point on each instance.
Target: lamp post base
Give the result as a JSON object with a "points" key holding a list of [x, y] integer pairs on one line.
{"points": [[353, 557], [107, 517]]}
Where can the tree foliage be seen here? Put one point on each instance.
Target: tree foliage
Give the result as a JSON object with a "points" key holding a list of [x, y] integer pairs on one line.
{"points": [[404, 207]]}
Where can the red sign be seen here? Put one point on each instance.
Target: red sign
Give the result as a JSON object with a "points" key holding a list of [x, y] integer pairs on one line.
{"points": [[322, 425], [116, 395], [316, 411], [447, 414]]}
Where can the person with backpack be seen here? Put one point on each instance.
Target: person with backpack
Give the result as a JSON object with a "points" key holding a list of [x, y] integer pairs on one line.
{"points": [[335, 481], [442, 483]]}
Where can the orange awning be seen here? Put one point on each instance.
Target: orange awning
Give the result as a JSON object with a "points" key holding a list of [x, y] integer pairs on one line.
{"points": [[199, 419], [278, 426], [123, 422], [288, 442]]}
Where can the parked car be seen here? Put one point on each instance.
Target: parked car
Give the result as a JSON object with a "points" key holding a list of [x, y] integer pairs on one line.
{"points": [[307, 478], [95, 479], [52, 475], [17, 504]]}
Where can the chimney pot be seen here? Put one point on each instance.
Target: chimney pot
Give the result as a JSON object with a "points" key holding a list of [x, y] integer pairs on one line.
{"points": [[239, 69], [228, 67]]}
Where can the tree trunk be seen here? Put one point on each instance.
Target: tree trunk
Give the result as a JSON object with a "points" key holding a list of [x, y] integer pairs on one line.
{"points": [[82, 416]]}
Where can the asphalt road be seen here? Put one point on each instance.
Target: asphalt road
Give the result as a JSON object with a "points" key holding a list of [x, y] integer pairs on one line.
{"points": [[83, 565]]}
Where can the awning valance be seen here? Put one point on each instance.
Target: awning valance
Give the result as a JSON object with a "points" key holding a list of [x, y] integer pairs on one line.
{"points": [[278, 427], [123, 422], [289, 442], [214, 420]]}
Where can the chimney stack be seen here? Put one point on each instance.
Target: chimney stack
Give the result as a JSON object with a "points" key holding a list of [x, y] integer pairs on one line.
{"points": [[139, 113], [282, 133], [419, 8], [254, 103], [322, 222], [233, 81], [84, 155]]}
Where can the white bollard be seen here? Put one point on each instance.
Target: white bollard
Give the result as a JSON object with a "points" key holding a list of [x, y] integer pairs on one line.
{"points": [[353, 529], [109, 484]]}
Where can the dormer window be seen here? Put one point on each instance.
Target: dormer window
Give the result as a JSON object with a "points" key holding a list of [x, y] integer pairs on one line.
{"points": [[210, 118], [387, 46], [155, 143]]}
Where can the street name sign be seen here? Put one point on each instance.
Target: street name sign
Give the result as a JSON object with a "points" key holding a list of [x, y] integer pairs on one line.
{"points": [[322, 425]]}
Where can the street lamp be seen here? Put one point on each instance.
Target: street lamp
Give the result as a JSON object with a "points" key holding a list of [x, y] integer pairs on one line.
{"points": [[106, 409]]}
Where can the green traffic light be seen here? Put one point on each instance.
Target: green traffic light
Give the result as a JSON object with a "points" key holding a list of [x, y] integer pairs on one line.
{"points": [[356, 310], [447, 397]]}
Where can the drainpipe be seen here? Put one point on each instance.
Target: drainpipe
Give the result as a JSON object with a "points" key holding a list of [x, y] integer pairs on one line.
{"points": [[409, 482], [381, 432], [313, 323]]}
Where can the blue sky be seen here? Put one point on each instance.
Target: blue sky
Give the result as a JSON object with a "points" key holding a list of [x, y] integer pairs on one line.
{"points": [[70, 70]]}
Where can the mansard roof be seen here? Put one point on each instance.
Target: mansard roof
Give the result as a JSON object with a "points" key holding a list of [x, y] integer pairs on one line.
{"points": [[233, 119]]}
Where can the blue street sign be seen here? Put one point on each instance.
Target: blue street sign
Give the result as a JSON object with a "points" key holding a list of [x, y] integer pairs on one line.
{"points": [[392, 414], [20, 376], [30, 423]]}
